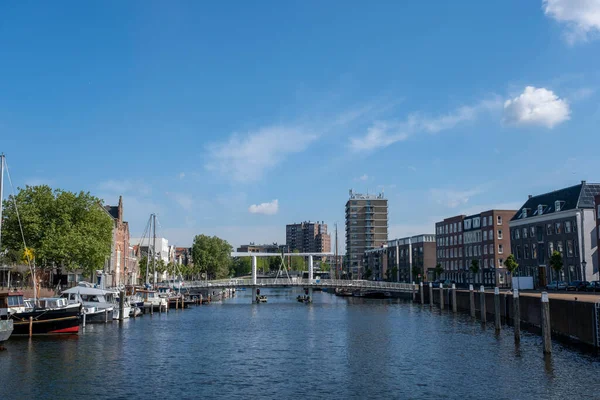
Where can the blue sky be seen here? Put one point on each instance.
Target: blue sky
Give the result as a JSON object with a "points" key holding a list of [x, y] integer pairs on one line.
{"points": [[235, 118]]}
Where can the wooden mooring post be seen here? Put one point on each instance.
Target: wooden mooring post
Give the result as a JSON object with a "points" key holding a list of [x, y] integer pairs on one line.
{"points": [[497, 323], [546, 326], [482, 304], [472, 301], [414, 294], [516, 316], [430, 295], [121, 305], [441, 296], [454, 305], [30, 326], [422, 293]]}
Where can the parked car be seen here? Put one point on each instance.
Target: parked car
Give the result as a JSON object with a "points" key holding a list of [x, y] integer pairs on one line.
{"points": [[593, 286], [577, 285], [554, 285]]}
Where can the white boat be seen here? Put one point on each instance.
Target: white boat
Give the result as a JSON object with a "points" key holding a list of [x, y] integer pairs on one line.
{"points": [[151, 298], [6, 325], [99, 305]]}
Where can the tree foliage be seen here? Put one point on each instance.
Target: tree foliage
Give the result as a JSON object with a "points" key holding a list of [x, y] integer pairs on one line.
{"points": [[439, 270], [61, 228], [511, 264], [556, 262], [474, 267], [211, 255], [241, 266]]}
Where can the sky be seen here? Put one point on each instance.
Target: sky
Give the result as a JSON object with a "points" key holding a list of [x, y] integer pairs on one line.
{"points": [[235, 118]]}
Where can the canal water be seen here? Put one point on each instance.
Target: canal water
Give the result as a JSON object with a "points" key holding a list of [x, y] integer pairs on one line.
{"points": [[336, 348]]}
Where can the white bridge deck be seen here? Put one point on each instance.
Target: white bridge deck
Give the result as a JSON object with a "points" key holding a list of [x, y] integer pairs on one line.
{"points": [[304, 283]]}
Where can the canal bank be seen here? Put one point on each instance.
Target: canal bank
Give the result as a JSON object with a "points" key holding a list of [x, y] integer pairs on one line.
{"points": [[573, 321]]}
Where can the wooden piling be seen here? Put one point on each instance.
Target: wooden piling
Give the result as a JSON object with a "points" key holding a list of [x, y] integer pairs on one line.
{"points": [[84, 314], [482, 304], [177, 303], [441, 296], [546, 327], [106, 315], [121, 305], [151, 309], [454, 305], [472, 301], [430, 295], [30, 326], [413, 292], [422, 293], [516, 316], [497, 322]]}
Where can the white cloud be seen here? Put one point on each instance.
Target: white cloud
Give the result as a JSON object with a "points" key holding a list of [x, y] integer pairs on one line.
{"points": [[181, 175], [582, 17], [453, 198], [270, 208], [245, 158], [537, 107], [385, 133], [184, 200], [363, 178]]}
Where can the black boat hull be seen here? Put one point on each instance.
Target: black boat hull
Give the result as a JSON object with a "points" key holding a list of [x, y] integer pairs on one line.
{"points": [[47, 322]]}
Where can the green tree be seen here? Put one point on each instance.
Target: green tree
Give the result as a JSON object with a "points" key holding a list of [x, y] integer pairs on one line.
{"points": [[142, 267], [297, 262], [511, 265], [474, 268], [241, 266], [416, 271], [62, 229], [325, 266], [556, 262], [438, 271], [391, 274], [368, 273], [211, 255]]}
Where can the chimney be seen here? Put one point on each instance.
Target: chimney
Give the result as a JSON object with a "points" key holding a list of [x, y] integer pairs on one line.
{"points": [[530, 196], [583, 182]]}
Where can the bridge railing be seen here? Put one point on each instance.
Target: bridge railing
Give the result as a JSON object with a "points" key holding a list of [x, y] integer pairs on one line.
{"points": [[275, 282]]}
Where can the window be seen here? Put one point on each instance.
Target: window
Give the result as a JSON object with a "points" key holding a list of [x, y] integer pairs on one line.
{"points": [[532, 232], [459, 227], [484, 221], [598, 212], [550, 249], [484, 235], [500, 263], [446, 229], [485, 263], [568, 227], [518, 251], [501, 249], [557, 204], [491, 249], [491, 234], [540, 209], [525, 231], [558, 228], [548, 229], [559, 246], [499, 234], [533, 251], [539, 233], [523, 213], [460, 239], [499, 218], [526, 251], [517, 233], [485, 250], [570, 251], [460, 251]]}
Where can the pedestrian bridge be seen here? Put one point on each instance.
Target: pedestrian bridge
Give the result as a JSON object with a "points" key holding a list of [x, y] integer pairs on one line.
{"points": [[303, 283]]}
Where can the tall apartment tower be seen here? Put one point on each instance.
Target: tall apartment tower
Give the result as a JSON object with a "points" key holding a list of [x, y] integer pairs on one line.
{"points": [[366, 227], [308, 237]]}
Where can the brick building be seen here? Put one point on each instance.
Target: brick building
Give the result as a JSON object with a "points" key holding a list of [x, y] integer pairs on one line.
{"points": [[121, 268], [307, 237], [483, 237], [597, 209], [366, 227], [564, 220]]}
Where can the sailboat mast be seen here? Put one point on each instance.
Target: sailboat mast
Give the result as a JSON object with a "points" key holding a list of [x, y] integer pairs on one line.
{"points": [[336, 252], [1, 194], [154, 248]]}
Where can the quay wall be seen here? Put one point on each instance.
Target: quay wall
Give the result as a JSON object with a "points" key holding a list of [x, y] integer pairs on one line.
{"points": [[571, 320]]}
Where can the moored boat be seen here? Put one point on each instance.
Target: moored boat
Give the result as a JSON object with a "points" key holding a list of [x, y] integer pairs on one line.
{"points": [[50, 317], [6, 325]]}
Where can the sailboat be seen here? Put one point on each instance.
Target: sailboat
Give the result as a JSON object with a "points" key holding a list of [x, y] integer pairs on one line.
{"points": [[46, 316]]}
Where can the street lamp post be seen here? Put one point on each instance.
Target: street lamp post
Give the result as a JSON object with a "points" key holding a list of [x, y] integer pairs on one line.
{"points": [[583, 265]]}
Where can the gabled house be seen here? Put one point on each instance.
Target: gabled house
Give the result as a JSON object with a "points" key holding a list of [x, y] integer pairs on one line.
{"points": [[563, 220]]}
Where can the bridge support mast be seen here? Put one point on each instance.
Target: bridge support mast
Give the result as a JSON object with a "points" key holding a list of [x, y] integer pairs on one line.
{"points": [[254, 293]]}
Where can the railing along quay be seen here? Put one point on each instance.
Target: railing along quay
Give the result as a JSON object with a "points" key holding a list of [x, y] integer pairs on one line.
{"points": [[315, 283]]}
